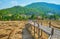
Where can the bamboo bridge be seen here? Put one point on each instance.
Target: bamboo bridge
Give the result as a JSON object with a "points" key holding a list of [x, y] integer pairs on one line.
{"points": [[38, 31]]}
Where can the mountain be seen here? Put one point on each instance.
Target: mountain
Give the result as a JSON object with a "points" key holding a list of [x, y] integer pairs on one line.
{"points": [[34, 8], [45, 10], [13, 10], [42, 7]]}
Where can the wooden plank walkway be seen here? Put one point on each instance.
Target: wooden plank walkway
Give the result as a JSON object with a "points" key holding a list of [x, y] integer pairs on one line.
{"points": [[44, 28], [48, 30], [26, 34], [56, 34]]}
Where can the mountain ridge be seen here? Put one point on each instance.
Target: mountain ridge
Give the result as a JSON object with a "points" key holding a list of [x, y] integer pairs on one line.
{"points": [[38, 7], [45, 5]]}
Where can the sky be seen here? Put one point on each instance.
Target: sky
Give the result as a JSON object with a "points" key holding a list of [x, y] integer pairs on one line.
{"points": [[10, 3]]}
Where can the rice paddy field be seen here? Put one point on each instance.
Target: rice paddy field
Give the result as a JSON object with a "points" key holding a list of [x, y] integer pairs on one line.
{"points": [[54, 23], [11, 29]]}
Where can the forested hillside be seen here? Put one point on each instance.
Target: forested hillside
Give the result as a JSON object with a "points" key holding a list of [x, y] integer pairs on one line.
{"points": [[44, 10]]}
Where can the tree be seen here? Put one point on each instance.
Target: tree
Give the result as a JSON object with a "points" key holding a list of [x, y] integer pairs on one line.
{"points": [[33, 16]]}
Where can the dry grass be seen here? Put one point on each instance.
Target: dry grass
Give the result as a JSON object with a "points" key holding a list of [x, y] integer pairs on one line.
{"points": [[54, 23], [11, 29]]}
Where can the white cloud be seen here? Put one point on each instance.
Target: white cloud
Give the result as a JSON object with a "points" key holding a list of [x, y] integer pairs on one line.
{"points": [[14, 3]]}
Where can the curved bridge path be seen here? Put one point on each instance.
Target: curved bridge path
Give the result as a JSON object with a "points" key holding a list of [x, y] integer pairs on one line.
{"points": [[26, 34], [53, 32]]}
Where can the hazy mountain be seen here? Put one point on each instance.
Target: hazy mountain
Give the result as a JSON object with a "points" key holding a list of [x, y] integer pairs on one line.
{"points": [[34, 8], [44, 7]]}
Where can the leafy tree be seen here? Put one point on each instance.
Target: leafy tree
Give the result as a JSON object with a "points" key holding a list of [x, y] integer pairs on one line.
{"points": [[33, 16]]}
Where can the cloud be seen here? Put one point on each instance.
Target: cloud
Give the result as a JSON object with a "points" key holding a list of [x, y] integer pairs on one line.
{"points": [[14, 3]]}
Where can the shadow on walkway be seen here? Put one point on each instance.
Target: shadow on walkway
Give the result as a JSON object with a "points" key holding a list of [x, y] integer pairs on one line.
{"points": [[26, 34]]}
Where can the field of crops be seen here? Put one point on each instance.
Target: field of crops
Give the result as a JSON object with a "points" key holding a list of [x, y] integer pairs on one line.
{"points": [[11, 29], [54, 23]]}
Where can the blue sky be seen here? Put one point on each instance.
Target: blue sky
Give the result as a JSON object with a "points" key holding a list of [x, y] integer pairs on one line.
{"points": [[11, 3]]}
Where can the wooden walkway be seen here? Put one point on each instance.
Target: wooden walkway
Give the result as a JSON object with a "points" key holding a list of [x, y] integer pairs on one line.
{"points": [[26, 34], [53, 32]]}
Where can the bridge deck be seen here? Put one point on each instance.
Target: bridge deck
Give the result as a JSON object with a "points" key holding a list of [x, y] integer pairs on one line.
{"points": [[26, 34], [44, 28], [56, 32]]}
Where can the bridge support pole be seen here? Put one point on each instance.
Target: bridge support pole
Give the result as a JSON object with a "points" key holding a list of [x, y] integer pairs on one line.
{"points": [[50, 24], [52, 32], [34, 29], [31, 29], [38, 32]]}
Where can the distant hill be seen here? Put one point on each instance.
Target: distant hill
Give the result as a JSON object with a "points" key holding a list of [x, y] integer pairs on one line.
{"points": [[13, 10], [44, 10], [34, 8], [42, 7]]}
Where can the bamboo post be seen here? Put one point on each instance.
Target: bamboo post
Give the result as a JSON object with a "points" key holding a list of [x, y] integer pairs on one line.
{"points": [[52, 31], [31, 29], [50, 24], [41, 33], [38, 32], [41, 30], [34, 29]]}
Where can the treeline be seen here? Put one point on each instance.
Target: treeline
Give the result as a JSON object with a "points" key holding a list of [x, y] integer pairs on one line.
{"points": [[22, 13], [12, 17]]}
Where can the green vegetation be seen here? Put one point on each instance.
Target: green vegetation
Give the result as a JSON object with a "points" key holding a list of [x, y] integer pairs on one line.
{"points": [[31, 11]]}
